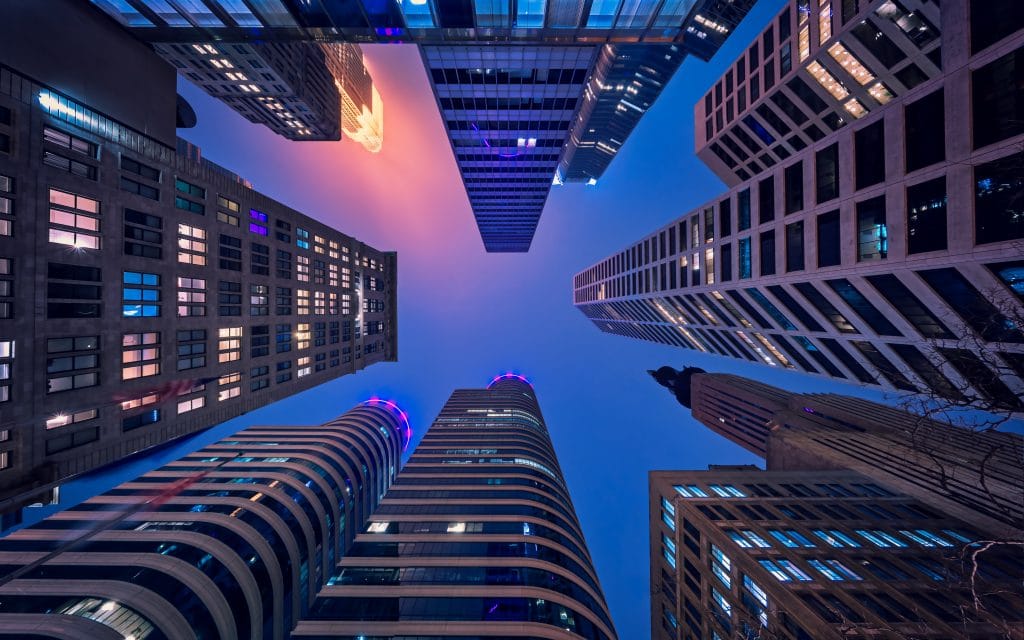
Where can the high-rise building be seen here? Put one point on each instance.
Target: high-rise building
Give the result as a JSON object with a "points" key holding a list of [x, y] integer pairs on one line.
{"points": [[144, 294], [476, 537], [231, 541], [299, 90], [530, 94], [974, 475], [742, 553], [872, 232]]}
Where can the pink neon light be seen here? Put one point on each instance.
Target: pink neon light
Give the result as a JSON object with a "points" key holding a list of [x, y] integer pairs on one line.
{"points": [[509, 376], [378, 402]]}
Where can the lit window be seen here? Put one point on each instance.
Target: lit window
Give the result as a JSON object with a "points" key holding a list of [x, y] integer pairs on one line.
{"points": [[755, 590], [826, 570], [827, 81], [191, 405], [64, 419], [721, 602], [775, 570], [140, 355], [794, 571], [851, 64], [667, 519], [74, 220], [720, 557], [756, 539], [668, 506], [378, 527], [191, 297], [669, 557], [229, 345], [141, 290], [191, 245]]}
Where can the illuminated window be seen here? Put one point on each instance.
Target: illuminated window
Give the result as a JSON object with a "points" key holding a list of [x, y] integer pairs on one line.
{"points": [[227, 392], [302, 268], [141, 295], [827, 81], [302, 335], [140, 355], [191, 245], [74, 220], [301, 238], [192, 404], [64, 419], [141, 401], [229, 344], [191, 297], [302, 297]]}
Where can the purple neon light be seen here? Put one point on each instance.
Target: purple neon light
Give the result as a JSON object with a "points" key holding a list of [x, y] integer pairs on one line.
{"points": [[488, 143], [509, 376], [378, 402]]}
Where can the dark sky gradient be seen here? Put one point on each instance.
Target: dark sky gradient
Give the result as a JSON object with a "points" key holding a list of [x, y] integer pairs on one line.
{"points": [[465, 316]]}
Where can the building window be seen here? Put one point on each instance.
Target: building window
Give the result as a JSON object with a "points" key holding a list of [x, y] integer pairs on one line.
{"points": [[993, 20], [926, 216], [794, 183], [767, 246], [869, 155], [64, 419], [998, 206], [795, 246], [259, 341], [70, 142], [744, 258], [998, 99], [142, 235], [189, 189], [140, 169], [302, 269], [227, 203], [73, 291], [724, 223], [283, 301], [6, 289], [145, 418], [863, 308], [71, 363], [227, 218], [826, 168], [226, 391], [70, 165], [301, 238], [302, 302], [259, 300], [829, 236], [725, 263], [74, 220], [229, 298], [259, 259], [284, 264], [925, 128], [284, 338], [191, 297], [191, 349], [184, 406], [766, 200], [872, 233], [140, 355], [963, 298], [825, 308], [742, 210], [191, 245], [144, 190], [229, 345], [140, 294], [230, 253]]}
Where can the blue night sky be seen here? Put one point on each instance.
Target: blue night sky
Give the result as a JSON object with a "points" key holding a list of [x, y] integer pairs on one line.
{"points": [[465, 316]]}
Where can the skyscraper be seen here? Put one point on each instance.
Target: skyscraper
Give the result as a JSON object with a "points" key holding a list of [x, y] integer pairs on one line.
{"points": [[743, 553], [232, 541], [477, 537], [145, 294], [975, 476], [872, 229], [299, 90], [531, 93]]}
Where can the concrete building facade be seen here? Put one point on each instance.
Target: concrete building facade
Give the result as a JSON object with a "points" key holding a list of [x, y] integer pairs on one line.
{"points": [[145, 294], [975, 476], [231, 541], [737, 552], [872, 232], [476, 538]]}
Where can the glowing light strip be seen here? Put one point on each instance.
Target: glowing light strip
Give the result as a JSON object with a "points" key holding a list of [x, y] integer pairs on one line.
{"points": [[509, 376], [378, 402], [488, 143]]}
